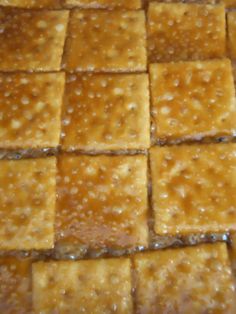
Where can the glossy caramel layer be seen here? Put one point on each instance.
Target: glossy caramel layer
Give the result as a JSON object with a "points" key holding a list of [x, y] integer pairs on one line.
{"points": [[232, 251], [194, 188], [27, 211], [231, 18], [95, 286], [231, 4], [30, 110], [180, 1], [31, 4], [106, 4], [30, 40], [106, 112], [193, 100], [180, 31], [185, 280], [102, 202], [98, 198], [107, 41], [15, 286]]}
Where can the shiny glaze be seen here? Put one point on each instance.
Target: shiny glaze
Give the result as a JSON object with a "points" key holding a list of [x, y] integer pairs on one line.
{"points": [[107, 41], [180, 31], [102, 202], [106, 112]]}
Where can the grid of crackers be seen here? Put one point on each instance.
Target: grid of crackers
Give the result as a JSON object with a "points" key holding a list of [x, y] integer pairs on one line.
{"points": [[117, 157]]}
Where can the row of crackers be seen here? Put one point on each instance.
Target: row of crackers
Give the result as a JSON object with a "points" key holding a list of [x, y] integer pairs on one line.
{"points": [[192, 279], [190, 99], [113, 41], [80, 203], [177, 102], [103, 4]]}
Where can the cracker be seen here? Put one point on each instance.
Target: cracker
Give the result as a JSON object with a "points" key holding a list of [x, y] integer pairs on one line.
{"points": [[180, 1], [15, 287], [30, 110], [106, 112], [229, 4], [232, 251], [102, 202], [38, 39], [112, 41], [194, 188], [27, 204], [105, 4], [232, 34], [95, 286], [185, 280], [183, 31], [234, 72], [193, 100], [31, 3]]}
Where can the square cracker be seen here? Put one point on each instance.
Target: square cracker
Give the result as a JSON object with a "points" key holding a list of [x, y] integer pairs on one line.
{"points": [[38, 39], [30, 110], [194, 188], [15, 287], [27, 204], [180, 1], [180, 31], [229, 4], [192, 100], [105, 4], [234, 72], [102, 202], [232, 251], [232, 34], [113, 41], [95, 286], [106, 112], [185, 280], [31, 3]]}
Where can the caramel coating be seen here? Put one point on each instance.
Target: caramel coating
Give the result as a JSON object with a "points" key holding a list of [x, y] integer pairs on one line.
{"points": [[107, 41], [105, 4], [30, 110], [185, 280], [102, 202], [106, 112], [15, 287], [232, 34], [193, 100], [31, 4], [180, 31], [95, 286], [194, 188], [229, 4], [27, 212], [31, 41]]}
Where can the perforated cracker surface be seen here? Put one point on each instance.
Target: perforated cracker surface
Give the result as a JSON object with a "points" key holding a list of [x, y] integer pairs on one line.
{"points": [[107, 41], [102, 202], [30, 110], [192, 100], [83, 217], [193, 188], [99, 286], [106, 112], [27, 193], [30, 40], [180, 31], [197, 279], [15, 288], [232, 34], [105, 4], [31, 3]]}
